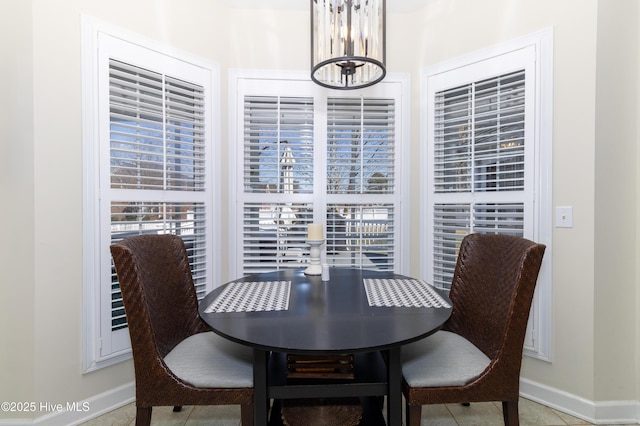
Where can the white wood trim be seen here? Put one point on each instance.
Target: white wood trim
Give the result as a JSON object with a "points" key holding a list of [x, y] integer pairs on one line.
{"points": [[596, 412], [81, 411]]}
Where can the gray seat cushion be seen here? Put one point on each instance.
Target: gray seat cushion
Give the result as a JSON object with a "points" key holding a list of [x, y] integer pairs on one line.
{"points": [[206, 360], [442, 359]]}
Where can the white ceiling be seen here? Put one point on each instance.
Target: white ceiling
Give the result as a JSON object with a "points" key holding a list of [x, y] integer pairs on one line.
{"points": [[392, 5]]}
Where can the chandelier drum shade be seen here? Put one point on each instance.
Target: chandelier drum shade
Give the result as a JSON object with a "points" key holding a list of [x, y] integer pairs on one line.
{"points": [[348, 46]]}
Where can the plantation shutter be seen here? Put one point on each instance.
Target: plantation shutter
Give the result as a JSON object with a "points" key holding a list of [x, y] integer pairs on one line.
{"points": [[360, 151], [278, 167], [479, 182], [361, 181], [157, 166]]}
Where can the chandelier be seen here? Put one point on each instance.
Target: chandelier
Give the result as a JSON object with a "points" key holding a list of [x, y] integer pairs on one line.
{"points": [[348, 46]]}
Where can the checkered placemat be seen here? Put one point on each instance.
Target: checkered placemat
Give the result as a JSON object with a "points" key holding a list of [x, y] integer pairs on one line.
{"points": [[402, 293], [252, 296]]}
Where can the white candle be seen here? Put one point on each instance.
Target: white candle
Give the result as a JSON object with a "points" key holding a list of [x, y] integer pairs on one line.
{"points": [[314, 231]]}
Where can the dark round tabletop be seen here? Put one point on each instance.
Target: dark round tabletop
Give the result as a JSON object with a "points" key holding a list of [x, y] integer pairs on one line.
{"points": [[325, 317]]}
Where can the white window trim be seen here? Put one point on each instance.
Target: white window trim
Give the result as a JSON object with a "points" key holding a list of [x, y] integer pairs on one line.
{"points": [[92, 29], [402, 147], [542, 41]]}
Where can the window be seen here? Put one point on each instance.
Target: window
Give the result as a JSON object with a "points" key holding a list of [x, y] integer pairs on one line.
{"points": [[488, 156], [311, 155], [148, 170], [478, 165]]}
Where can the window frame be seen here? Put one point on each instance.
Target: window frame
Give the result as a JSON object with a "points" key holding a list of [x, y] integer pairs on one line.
{"points": [[540, 45], [263, 79], [98, 37]]}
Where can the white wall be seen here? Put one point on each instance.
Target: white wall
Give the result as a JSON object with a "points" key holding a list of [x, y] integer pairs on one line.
{"points": [[17, 320], [637, 220], [43, 265], [616, 166]]}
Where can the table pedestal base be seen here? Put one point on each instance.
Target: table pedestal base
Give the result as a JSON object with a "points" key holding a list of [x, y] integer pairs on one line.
{"points": [[308, 402]]}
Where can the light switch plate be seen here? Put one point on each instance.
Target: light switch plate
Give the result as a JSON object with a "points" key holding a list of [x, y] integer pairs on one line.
{"points": [[564, 217]]}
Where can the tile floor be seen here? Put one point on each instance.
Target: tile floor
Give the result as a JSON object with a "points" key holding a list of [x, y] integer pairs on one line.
{"points": [[478, 414]]}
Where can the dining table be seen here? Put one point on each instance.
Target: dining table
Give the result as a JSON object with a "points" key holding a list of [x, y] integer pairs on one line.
{"points": [[363, 313]]}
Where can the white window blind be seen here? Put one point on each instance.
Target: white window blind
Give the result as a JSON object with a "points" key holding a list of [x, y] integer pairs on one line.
{"points": [[274, 235], [185, 219], [479, 142], [278, 166], [360, 147], [361, 165], [157, 130], [453, 221], [156, 144], [361, 235], [478, 164], [306, 158], [278, 141]]}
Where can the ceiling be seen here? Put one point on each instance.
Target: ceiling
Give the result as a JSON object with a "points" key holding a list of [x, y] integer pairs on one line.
{"points": [[392, 5]]}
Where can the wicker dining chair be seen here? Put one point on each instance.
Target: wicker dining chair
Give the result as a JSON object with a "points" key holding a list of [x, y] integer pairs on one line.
{"points": [[177, 359], [478, 353]]}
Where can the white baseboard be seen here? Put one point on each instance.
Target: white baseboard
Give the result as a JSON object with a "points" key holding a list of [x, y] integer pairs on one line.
{"points": [[81, 411], [600, 413]]}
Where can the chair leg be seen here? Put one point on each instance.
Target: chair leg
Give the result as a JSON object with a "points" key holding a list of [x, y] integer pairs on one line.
{"points": [[143, 416], [413, 413], [246, 415], [510, 413]]}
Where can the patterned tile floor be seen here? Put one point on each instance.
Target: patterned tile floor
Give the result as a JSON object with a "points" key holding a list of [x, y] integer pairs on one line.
{"points": [[478, 414]]}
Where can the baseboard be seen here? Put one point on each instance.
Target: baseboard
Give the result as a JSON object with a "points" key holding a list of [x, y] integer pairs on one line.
{"points": [[599, 413], [617, 412], [79, 412]]}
